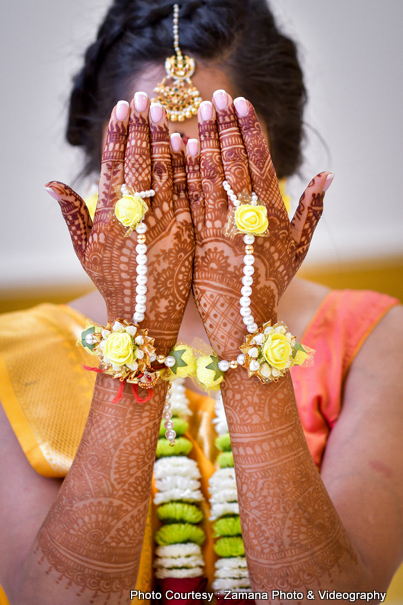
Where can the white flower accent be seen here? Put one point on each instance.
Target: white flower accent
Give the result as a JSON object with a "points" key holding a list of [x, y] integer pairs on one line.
{"points": [[220, 421], [178, 550], [118, 327]]}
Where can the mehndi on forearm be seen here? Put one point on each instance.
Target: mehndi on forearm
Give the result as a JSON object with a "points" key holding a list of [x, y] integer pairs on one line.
{"points": [[292, 533], [91, 539]]}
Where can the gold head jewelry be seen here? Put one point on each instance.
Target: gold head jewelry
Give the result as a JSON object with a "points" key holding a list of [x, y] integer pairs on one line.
{"points": [[181, 99]]}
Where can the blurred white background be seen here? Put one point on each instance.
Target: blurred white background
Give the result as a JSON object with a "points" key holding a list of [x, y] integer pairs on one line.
{"points": [[351, 51]]}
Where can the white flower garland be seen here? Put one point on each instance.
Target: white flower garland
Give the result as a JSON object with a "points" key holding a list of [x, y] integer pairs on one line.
{"points": [[178, 480], [231, 573]]}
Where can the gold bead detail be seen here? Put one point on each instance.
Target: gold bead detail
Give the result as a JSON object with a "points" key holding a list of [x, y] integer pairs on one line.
{"points": [[160, 358], [233, 364], [141, 238], [249, 249]]}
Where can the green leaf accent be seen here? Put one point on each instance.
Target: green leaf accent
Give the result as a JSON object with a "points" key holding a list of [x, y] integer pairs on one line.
{"points": [[178, 358], [214, 366], [297, 347], [85, 344]]}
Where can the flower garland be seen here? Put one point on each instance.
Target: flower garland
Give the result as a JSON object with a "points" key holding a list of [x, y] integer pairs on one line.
{"points": [[179, 539], [231, 572]]}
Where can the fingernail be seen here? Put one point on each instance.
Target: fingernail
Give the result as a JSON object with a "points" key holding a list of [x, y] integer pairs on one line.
{"points": [[140, 101], [52, 193], [328, 182], [156, 112], [176, 141], [220, 99], [206, 110], [193, 147], [122, 110], [241, 106]]}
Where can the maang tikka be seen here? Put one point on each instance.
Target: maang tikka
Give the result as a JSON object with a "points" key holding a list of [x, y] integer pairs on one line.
{"points": [[181, 99]]}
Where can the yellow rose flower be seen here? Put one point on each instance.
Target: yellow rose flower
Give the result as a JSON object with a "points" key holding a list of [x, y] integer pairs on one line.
{"points": [[185, 362], [130, 210], [208, 373], [119, 348], [277, 350], [251, 219], [91, 203], [300, 358]]}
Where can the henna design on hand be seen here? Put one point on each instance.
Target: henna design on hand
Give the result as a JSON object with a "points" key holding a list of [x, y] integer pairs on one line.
{"points": [[140, 155], [235, 147]]}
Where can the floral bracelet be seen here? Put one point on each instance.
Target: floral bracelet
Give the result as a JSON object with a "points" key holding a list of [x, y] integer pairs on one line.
{"points": [[127, 353]]}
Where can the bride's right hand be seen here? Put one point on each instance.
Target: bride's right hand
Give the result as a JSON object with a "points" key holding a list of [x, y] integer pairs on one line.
{"points": [[137, 152]]}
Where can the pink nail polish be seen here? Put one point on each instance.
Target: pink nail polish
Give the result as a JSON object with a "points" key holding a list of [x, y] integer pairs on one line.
{"points": [[206, 110], [241, 106], [140, 101], [52, 193], [156, 112], [193, 147], [176, 141], [328, 182], [220, 99], [122, 110]]}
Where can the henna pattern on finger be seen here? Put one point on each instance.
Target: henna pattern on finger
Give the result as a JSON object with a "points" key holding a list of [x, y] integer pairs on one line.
{"points": [[76, 215], [212, 175], [137, 157], [233, 153]]}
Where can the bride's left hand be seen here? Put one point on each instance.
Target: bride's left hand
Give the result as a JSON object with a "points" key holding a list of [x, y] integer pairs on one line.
{"points": [[233, 148]]}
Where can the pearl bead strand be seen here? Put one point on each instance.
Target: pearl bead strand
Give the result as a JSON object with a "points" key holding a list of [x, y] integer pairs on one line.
{"points": [[141, 260], [248, 269], [141, 270], [167, 416]]}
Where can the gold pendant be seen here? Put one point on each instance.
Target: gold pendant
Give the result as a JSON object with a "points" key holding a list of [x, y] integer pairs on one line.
{"points": [[181, 99]]}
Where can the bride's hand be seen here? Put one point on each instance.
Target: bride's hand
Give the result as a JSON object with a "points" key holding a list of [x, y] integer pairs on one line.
{"points": [[233, 148], [137, 152]]}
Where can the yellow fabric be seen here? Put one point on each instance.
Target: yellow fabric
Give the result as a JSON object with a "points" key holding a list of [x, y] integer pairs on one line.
{"points": [[46, 395]]}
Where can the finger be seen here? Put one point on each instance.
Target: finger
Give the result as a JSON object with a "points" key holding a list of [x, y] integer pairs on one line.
{"points": [[75, 213], [137, 157], [309, 211], [233, 152], [112, 167], [211, 168], [179, 190], [195, 189], [263, 176], [161, 167]]}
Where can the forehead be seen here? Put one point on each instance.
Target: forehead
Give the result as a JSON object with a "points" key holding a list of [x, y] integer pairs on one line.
{"points": [[207, 79]]}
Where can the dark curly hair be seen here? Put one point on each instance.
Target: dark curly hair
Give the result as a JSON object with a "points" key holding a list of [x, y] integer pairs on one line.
{"points": [[239, 36]]}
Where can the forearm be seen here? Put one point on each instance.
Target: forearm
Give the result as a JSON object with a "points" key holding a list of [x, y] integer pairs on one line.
{"points": [[293, 535], [92, 537]]}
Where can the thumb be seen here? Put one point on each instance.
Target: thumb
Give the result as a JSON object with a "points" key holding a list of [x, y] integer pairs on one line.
{"points": [[309, 211], [75, 213]]}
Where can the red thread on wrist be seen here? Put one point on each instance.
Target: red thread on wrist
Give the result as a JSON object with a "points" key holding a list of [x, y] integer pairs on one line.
{"points": [[137, 397]]}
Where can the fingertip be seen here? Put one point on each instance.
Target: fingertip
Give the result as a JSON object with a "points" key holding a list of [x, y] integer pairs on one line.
{"points": [[122, 110], [193, 148], [205, 111], [140, 101], [328, 181], [176, 142], [51, 192], [241, 107]]}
